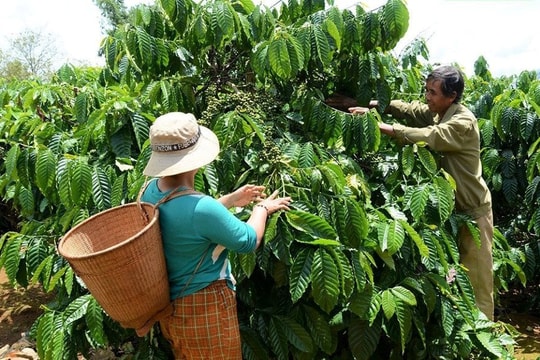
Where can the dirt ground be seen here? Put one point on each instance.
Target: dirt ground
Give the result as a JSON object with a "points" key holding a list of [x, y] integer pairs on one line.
{"points": [[20, 307], [528, 343]]}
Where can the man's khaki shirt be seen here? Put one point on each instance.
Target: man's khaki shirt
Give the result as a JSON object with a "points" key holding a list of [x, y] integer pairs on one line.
{"points": [[457, 139]]}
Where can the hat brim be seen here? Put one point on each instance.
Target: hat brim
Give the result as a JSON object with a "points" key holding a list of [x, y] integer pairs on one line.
{"points": [[176, 162]]}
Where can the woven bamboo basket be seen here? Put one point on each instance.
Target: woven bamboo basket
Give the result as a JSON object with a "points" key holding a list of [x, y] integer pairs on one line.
{"points": [[118, 254]]}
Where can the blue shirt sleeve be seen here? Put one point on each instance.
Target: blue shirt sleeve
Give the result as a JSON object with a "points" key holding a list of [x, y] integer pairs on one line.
{"points": [[220, 226]]}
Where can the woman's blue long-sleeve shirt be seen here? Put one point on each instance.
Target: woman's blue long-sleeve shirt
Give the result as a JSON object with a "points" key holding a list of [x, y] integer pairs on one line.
{"points": [[190, 225]]}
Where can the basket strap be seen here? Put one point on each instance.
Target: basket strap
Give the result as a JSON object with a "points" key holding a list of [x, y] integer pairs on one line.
{"points": [[145, 215], [171, 195], [195, 271], [174, 194]]}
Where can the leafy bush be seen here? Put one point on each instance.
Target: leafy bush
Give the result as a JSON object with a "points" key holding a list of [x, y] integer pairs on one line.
{"points": [[366, 263]]}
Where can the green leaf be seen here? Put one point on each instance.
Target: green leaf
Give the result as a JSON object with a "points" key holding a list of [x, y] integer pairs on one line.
{"points": [[76, 309], [43, 271], [510, 188], [145, 46], [334, 176], [300, 273], [388, 303], [51, 284], [45, 332], [45, 171], [37, 251], [363, 338], [94, 320], [141, 129], [320, 330], [118, 190], [444, 197], [324, 274], [11, 161], [384, 92], [259, 131], [10, 255], [395, 18], [252, 344], [420, 244], [25, 167], [487, 131], [531, 192], [278, 339], [57, 350], [360, 302], [387, 258], [101, 189], [407, 160], [362, 266], [307, 157], [320, 45], [345, 271], [429, 295], [404, 295], [63, 181], [80, 182], [81, 107], [244, 6], [222, 21], [69, 277], [285, 56], [526, 125], [296, 54], [371, 31], [332, 30], [404, 316], [351, 222], [310, 224], [279, 59], [177, 12], [26, 200], [296, 334], [418, 201], [248, 263], [426, 159], [391, 236], [490, 343]]}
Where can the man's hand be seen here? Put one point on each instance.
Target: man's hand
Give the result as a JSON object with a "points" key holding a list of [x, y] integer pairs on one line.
{"points": [[358, 110], [387, 129], [361, 110]]}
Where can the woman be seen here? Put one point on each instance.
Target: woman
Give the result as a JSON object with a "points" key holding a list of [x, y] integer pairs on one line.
{"points": [[197, 232]]}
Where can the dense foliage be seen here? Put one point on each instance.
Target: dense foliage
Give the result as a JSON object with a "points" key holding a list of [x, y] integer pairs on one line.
{"points": [[364, 266]]}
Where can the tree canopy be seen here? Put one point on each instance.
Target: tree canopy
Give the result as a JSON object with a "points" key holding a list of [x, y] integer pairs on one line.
{"points": [[364, 266]]}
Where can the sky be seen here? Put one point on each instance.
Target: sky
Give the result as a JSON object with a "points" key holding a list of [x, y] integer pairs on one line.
{"points": [[505, 32]]}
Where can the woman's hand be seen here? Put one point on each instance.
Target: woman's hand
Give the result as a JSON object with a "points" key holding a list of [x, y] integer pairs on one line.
{"points": [[265, 208], [244, 196], [275, 203]]}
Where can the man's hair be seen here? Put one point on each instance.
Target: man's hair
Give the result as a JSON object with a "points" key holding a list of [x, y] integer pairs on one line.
{"points": [[451, 81]]}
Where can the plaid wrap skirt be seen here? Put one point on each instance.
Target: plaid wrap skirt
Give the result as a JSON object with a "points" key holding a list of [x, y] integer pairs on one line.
{"points": [[204, 325]]}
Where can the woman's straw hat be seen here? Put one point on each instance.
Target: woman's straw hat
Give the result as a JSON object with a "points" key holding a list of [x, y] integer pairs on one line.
{"points": [[179, 145]]}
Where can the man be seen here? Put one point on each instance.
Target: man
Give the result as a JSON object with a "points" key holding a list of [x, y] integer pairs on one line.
{"points": [[451, 129]]}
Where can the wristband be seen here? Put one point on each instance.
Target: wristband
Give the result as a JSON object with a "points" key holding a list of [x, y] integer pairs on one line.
{"points": [[264, 207]]}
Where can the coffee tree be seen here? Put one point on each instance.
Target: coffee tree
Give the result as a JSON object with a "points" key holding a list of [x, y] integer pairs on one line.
{"points": [[365, 265]]}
